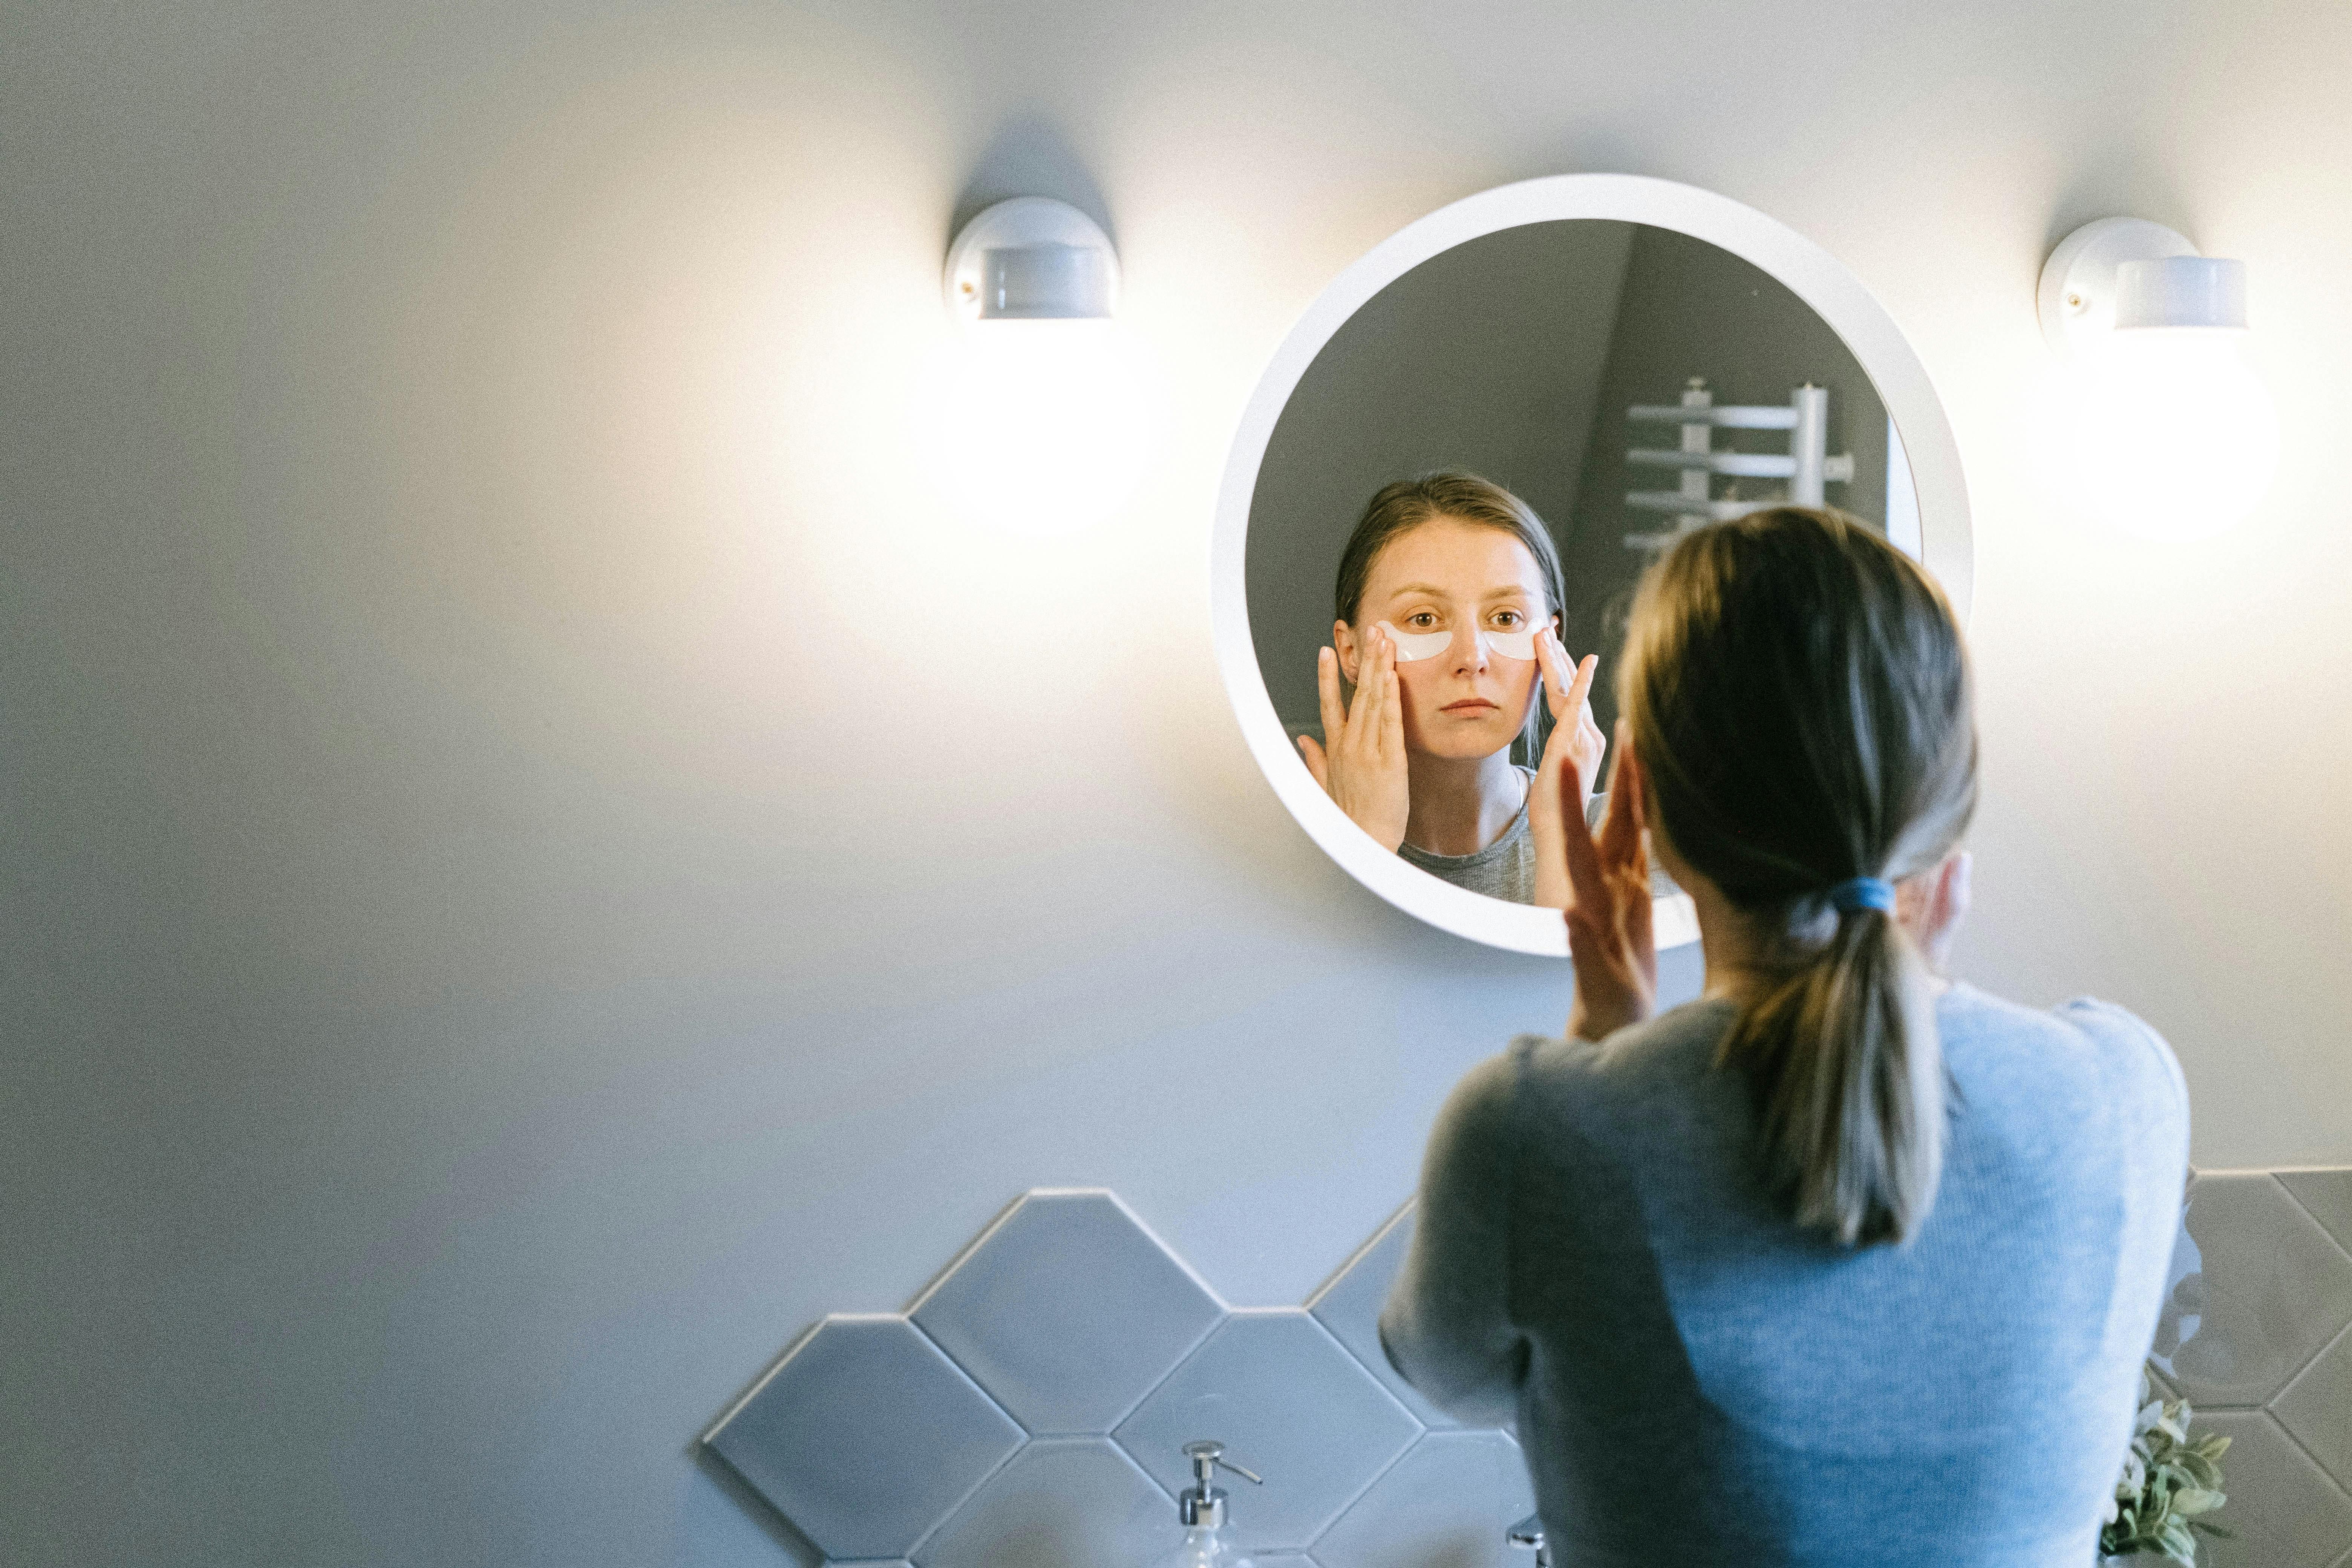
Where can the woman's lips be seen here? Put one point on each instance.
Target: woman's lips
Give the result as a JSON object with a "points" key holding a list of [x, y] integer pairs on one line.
{"points": [[1470, 705]]}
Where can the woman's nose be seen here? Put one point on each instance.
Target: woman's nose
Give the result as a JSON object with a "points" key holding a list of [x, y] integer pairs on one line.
{"points": [[1470, 649]]}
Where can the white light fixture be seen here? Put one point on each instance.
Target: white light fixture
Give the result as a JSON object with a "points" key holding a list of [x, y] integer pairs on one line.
{"points": [[1031, 259], [2170, 433], [1039, 413]]}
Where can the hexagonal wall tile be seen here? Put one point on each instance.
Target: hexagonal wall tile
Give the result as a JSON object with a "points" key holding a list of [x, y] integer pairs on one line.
{"points": [[2275, 1288], [1062, 1503], [865, 1436], [1349, 1306], [2282, 1512], [2328, 1196], [2316, 1407], [1067, 1310], [1450, 1499], [2184, 1296], [1289, 1403]]}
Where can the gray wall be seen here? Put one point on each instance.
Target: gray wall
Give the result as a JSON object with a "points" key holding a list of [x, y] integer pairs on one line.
{"points": [[530, 870], [1691, 309], [1486, 357]]}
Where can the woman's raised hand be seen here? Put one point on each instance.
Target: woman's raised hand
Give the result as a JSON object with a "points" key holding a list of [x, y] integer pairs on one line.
{"points": [[1572, 755], [1608, 935], [1360, 763]]}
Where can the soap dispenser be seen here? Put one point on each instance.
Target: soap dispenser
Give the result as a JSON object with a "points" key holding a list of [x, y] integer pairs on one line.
{"points": [[1208, 1540]]}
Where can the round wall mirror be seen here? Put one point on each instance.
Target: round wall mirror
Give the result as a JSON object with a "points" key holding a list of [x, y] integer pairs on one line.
{"points": [[1493, 423]]}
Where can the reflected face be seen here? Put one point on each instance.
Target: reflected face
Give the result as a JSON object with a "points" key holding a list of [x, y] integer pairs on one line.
{"points": [[1470, 699]]}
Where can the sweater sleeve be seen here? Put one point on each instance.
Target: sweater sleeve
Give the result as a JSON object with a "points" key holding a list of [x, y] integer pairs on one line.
{"points": [[1447, 1327]]}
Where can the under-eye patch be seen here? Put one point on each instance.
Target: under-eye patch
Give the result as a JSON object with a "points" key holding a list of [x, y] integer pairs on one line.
{"points": [[1412, 646]]}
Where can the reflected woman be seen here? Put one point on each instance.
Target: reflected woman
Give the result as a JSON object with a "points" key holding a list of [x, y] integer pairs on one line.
{"points": [[1447, 611]]}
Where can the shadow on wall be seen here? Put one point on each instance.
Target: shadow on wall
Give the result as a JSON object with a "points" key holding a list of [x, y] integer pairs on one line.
{"points": [[1027, 156]]}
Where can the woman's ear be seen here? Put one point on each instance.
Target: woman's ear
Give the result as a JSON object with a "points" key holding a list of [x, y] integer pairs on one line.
{"points": [[1932, 904], [1343, 639]]}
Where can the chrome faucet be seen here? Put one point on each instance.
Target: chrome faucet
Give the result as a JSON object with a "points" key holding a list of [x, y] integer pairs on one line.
{"points": [[1529, 1533]]}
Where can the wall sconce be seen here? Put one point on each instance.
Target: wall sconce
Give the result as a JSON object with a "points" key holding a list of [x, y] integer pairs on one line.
{"points": [[2170, 433], [1038, 412], [1031, 259]]}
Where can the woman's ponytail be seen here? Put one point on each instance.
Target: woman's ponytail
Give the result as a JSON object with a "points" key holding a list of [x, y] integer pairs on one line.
{"points": [[1847, 1075], [1799, 697]]}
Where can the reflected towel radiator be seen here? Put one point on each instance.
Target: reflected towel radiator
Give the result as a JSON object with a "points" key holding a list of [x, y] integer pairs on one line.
{"points": [[1807, 467]]}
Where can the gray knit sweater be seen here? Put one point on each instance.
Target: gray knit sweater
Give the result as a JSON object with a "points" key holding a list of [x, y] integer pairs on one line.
{"points": [[1698, 1381]]}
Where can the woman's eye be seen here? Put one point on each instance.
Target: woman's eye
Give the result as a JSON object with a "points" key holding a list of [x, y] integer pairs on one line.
{"points": [[1509, 618], [1422, 621]]}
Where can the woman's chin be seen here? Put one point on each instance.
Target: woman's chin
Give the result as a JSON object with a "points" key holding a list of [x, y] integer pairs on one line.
{"points": [[1463, 744]]}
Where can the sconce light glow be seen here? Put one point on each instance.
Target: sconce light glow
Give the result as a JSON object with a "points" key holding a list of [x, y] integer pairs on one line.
{"points": [[2166, 431], [1037, 412]]}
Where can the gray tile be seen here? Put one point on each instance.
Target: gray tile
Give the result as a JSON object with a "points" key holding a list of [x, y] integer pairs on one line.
{"points": [[2184, 1295], [1349, 1306], [865, 1436], [1062, 1503], [1068, 1311], [870, 1563], [1447, 1501], [2317, 1409], [2275, 1288], [2328, 1196], [1287, 1401], [2283, 1512]]}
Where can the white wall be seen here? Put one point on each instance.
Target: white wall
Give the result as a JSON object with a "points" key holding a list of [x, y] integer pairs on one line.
{"points": [[538, 860]]}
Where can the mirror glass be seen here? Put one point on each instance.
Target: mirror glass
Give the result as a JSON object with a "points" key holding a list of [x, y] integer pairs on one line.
{"points": [[1626, 382]]}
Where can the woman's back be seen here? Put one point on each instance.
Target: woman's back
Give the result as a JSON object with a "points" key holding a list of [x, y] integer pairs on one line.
{"points": [[1698, 1379]]}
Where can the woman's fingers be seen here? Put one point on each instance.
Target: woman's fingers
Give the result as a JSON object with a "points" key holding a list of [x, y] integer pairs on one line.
{"points": [[1552, 660], [1579, 701], [1620, 833], [1392, 717], [1371, 696], [1316, 763], [1585, 880], [1327, 691]]}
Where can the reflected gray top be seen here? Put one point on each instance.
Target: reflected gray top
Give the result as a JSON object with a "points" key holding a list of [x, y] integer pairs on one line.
{"points": [[1505, 869], [1695, 1379]]}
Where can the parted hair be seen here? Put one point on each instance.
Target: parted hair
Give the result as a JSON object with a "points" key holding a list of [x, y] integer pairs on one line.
{"points": [[1405, 505], [1800, 697]]}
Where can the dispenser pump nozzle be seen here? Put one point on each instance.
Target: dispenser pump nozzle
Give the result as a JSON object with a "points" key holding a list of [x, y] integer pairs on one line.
{"points": [[1202, 1503]]}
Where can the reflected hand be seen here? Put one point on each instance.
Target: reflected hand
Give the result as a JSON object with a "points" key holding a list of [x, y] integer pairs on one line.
{"points": [[1360, 763], [1608, 935], [1574, 751]]}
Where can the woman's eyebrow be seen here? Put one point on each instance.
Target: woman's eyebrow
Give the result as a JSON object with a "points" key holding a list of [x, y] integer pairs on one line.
{"points": [[1432, 589]]}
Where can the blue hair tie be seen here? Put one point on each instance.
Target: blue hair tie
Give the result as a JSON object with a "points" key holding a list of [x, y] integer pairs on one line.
{"points": [[1864, 894]]}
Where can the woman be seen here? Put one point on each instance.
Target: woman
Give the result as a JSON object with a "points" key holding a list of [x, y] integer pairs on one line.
{"points": [[1842, 1263], [1447, 605]]}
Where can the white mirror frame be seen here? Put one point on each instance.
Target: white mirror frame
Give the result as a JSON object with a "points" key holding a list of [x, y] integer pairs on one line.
{"points": [[1808, 271]]}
